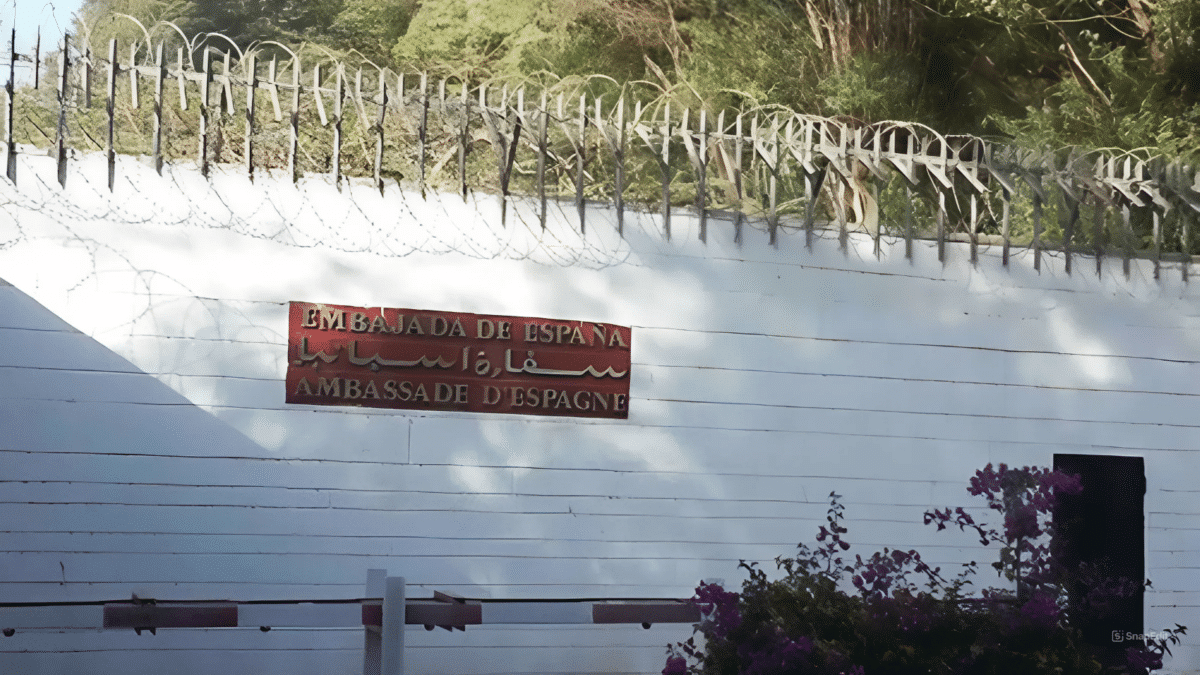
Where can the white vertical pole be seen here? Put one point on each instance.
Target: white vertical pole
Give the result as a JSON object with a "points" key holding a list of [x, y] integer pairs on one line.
{"points": [[393, 627], [372, 638]]}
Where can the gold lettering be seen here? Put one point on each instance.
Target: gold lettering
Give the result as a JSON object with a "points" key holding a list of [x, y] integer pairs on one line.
{"points": [[484, 329], [460, 393], [414, 327], [577, 337], [370, 391], [420, 395], [546, 332], [560, 332], [532, 397], [310, 318], [329, 387], [601, 400], [439, 327], [615, 337], [488, 398], [351, 390], [482, 365], [505, 330], [399, 327], [587, 402], [563, 400], [379, 325], [457, 330], [620, 402], [518, 397], [598, 334], [302, 387], [442, 392], [531, 332], [358, 322], [332, 319], [389, 390], [406, 392], [547, 396]]}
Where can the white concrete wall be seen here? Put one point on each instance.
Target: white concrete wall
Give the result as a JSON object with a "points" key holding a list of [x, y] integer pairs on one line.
{"points": [[763, 379]]}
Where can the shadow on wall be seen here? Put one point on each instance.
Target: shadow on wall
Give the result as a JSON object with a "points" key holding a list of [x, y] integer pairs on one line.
{"points": [[95, 440]]}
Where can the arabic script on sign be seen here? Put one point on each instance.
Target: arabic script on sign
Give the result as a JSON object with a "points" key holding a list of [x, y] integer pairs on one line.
{"points": [[430, 360]]}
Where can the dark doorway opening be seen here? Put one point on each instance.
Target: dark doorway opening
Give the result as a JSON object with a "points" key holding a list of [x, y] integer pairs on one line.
{"points": [[1104, 526]]}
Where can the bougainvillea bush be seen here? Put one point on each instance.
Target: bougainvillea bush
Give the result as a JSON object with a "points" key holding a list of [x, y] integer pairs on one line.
{"points": [[893, 614]]}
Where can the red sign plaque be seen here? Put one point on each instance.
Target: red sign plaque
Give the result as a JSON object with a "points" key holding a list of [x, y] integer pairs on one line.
{"points": [[424, 360]]}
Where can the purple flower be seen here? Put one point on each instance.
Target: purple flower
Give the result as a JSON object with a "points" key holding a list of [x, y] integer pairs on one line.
{"points": [[774, 652], [1041, 610], [894, 611], [1142, 660], [721, 606], [1022, 523], [676, 665]]}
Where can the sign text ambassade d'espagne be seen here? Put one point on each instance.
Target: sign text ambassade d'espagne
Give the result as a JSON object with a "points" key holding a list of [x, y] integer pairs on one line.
{"points": [[426, 360]]}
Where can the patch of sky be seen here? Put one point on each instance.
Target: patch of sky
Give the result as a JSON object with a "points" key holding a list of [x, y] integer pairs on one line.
{"points": [[51, 17]]}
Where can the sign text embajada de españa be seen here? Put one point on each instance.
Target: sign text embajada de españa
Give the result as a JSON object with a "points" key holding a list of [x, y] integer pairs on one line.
{"points": [[426, 360]]}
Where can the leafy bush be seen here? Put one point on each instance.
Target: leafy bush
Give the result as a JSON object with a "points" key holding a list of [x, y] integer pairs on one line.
{"points": [[892, 613]]}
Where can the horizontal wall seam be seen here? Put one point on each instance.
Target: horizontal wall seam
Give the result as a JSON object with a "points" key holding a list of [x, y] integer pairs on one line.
{"points": [[887, 343], [292, 535]]}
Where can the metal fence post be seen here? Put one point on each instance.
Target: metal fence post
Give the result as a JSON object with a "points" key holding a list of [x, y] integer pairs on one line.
{"points": [[393, 627], [10, 140], [372, 637]]}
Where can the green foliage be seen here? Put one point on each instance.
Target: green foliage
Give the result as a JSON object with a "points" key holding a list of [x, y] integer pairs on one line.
{"points": [[587, 47], [469, 38], [249, 21], [372, 26], [765, 56], [99, 21], [872, 88], [1039, 72]]}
